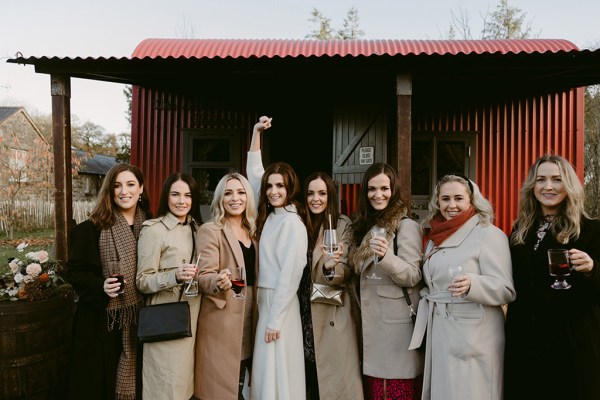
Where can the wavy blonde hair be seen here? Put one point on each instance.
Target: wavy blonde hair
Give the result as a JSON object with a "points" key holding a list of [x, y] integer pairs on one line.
{"points": [[219, 216], [480, 204], [567, 221]]}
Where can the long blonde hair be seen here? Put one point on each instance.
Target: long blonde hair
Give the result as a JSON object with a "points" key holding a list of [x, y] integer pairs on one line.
{"points": [[218, 212], [567, 221]]}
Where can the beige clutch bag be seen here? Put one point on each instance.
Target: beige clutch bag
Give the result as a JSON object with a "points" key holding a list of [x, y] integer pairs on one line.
{"points": [[332, 295]]}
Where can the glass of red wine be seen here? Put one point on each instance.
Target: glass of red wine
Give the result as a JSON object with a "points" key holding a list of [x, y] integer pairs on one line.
{"points": [[237, 285], [559, 268], [114, 270]]}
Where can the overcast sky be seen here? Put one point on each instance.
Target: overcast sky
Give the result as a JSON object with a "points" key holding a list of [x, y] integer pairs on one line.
{"points": [[78, 28]]}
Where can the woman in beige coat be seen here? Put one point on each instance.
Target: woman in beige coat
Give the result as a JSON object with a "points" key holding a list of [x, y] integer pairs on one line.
{"points": [[166, 256], [390, 369], [463, 315], [226, 323], [331, 357]]}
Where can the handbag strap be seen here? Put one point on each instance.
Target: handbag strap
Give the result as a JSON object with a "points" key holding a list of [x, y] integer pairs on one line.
{"points": [[193, 228], [413, 314]]}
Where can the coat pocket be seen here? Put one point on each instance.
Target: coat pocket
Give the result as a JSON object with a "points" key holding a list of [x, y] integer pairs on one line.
{"points": [[394, 309]]}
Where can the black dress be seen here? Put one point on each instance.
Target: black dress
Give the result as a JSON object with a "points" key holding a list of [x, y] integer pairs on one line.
{"points": [[96, 351], [553, 336]]}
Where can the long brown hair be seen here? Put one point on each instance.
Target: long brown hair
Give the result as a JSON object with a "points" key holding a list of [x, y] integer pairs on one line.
{"points": [[366, 216], [567, 221], [314, 222], [103, 214], [292, 187]]}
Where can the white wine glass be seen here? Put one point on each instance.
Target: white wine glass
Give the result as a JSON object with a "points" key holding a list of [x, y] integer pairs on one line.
{"points": [[330, 246], [376, 231], [191, 285], [453, 272]]}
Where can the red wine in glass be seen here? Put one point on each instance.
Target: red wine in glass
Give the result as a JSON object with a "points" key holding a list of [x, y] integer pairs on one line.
{"points": [[237, 285], [121, 280], [558, 267]]}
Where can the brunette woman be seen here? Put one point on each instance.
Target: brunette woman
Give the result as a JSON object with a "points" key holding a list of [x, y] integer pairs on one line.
{"points": [[104, 337], [387, 272], [278, 362], [552, 347], [166, 260], [331, 356], [227, 314]]}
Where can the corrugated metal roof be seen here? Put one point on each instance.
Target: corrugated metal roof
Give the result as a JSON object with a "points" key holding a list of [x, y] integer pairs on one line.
{"points": [[270, 48]]}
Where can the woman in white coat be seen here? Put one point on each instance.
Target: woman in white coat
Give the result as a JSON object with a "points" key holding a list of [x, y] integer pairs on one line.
{"points": [[463, 315], [278, 362]]}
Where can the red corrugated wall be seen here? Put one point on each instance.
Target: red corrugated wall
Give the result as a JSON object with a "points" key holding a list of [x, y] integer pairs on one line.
{"points": [[511, 135], [158, 119]]}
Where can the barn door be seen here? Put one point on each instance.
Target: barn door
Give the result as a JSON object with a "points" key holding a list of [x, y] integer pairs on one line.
{"points": [[359, 140]]}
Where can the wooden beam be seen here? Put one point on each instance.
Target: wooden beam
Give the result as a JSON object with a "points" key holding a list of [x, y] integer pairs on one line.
{"points": [[60, 89], [401, 142]]}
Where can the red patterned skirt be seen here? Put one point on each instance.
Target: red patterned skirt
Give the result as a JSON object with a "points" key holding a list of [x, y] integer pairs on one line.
{"points": [[392, 389]]}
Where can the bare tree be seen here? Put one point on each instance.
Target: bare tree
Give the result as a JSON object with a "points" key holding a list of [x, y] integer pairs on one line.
{"points": [[506, 23], [23, 166], [592, 150], [350, 29], [323, 30]]}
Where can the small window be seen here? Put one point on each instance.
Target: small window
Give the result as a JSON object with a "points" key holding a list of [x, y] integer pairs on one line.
{"points": [[435, 155], [208, 155]]}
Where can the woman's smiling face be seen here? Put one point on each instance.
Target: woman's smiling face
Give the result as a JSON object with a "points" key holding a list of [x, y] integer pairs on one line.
{"points": [[453, 199], [549, 189]]}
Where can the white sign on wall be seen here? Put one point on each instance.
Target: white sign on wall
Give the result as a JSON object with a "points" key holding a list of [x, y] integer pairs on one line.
{"points": [[366, 155]]}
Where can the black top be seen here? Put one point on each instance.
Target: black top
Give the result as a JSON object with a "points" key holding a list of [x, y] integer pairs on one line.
{"points": [[249, 261]]}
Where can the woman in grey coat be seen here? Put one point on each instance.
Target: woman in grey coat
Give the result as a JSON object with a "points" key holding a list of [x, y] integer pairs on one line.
{"points": [[463, 315]]}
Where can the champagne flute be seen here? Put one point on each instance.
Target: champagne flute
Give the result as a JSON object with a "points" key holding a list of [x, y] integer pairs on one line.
{"points": [[453, 272], [191, 285], [376, 231], [330, 246]]}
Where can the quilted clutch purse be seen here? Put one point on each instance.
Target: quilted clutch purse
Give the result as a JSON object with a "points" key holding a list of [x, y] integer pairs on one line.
{"points": [[332, 295]]}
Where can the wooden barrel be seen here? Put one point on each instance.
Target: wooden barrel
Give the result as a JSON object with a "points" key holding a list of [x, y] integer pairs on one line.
{"points": [[35, 343]]}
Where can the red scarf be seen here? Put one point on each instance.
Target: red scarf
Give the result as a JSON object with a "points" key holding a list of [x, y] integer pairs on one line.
{"points": [[442, 229]]}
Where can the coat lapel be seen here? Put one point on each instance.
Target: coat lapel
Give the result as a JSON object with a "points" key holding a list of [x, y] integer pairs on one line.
{"points": [[236, 250]]}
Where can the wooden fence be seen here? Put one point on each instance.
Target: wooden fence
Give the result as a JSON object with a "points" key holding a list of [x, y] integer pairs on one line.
{"points": [[36, 215]]}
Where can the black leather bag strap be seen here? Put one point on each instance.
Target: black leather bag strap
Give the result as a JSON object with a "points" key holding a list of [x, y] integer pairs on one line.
{"points": [[413, 314]]}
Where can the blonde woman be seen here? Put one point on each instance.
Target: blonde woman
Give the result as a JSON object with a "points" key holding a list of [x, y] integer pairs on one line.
{"points": [[463, 313], [550, 330], [228, 253]]}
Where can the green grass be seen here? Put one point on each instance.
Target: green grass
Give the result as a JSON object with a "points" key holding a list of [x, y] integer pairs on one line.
{"points": [[38, 240]]}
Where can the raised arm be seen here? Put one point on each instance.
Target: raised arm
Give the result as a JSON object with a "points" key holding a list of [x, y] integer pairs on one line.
{"points": [[262, 125]]}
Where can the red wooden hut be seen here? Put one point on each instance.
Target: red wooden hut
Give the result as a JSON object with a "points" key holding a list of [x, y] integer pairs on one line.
{"points": [[485, 108]]}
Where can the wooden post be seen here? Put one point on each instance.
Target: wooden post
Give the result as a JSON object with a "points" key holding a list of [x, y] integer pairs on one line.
{"points": [[60, 88], [401, 143]]}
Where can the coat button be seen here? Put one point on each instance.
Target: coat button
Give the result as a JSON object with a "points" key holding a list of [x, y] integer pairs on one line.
{"points": [[331, 323]]}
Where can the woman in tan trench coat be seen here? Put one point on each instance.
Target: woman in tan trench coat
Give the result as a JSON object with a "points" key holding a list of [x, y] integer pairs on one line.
{"points": [[166, 254], [390, 369], [464, 317], [226, 324], [331, 357]]}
